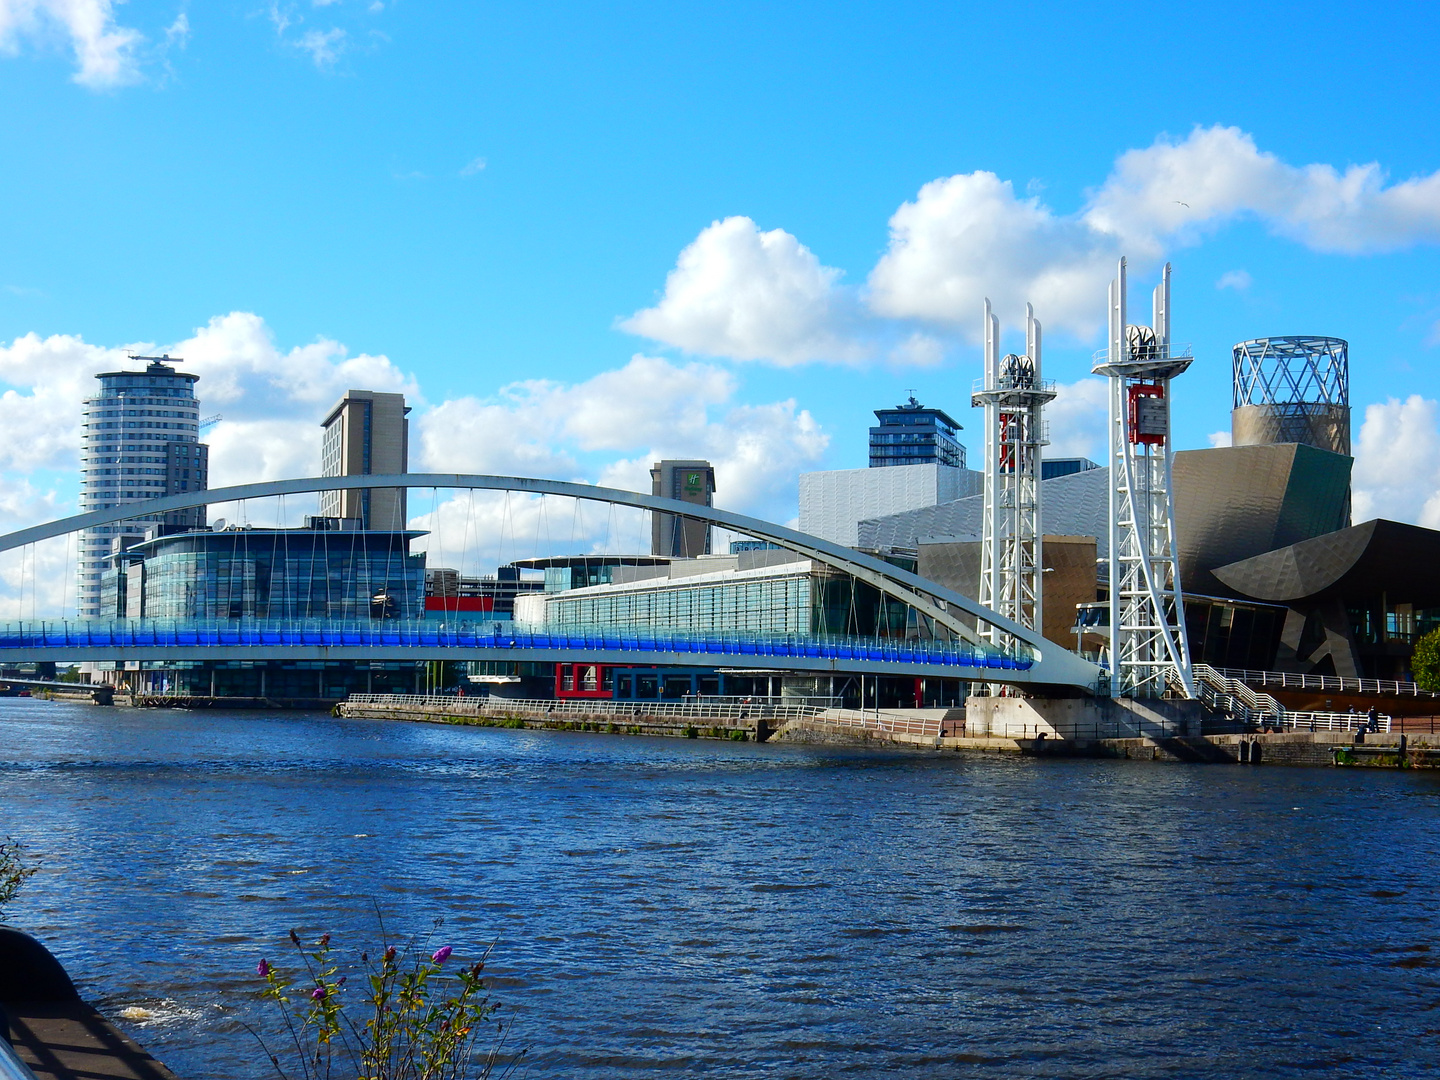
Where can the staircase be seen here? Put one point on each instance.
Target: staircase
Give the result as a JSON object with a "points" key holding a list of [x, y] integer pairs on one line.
{"points": [[1232, 698]]}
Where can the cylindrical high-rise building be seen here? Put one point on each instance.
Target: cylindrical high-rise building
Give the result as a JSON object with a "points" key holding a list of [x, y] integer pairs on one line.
{"points": [[1292, 389], [140, 439]]}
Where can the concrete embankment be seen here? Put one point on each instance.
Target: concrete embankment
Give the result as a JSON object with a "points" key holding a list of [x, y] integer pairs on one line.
{"points": [[498, 713], [937, 733]]}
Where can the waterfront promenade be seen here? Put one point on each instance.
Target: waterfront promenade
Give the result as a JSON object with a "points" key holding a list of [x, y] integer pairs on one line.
{"points": [[687, 907]]}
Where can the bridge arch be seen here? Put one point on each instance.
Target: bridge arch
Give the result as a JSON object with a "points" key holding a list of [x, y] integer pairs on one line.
{"points": [[935, 601]]}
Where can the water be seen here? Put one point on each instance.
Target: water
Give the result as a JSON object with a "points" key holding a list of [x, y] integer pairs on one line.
{"points": [[667, 907]]}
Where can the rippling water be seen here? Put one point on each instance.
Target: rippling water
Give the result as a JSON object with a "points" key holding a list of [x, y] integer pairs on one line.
{"points": [[700, 908]]}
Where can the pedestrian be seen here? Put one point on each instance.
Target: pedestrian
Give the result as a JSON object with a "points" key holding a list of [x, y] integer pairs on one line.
{"points": [[1372, 720]]}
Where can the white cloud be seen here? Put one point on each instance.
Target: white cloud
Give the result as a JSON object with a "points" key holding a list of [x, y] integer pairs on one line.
{"points": [[324, 46], [744, 294], [178, 32], [918, 350], [105, 52], [476, 165], [272, 401], [647, 410], [1181, 189], [1239, 280], [1077, 420], [967, 237], [1217, 439], [751, 295], [1397, 462]]}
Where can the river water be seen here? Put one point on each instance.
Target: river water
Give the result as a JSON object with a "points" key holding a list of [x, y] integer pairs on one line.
{"points": [[688, 908]]}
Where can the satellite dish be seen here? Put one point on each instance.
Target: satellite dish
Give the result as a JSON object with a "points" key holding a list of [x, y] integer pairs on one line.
{"points": [[219, 525]]}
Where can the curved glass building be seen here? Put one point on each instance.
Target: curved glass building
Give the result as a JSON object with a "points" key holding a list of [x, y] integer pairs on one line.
{"points": [[140, 440]]}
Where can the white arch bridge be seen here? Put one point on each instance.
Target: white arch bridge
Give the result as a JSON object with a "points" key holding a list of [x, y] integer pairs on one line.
{"points": [[1034, 660]]}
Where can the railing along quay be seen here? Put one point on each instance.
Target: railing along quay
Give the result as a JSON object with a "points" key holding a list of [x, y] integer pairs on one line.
{"points": [[1291, 681], [1333, 721], [891, 722]]}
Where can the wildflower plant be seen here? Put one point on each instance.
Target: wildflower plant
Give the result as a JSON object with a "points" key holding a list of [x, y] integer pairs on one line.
{"points": [[417, 1019]]}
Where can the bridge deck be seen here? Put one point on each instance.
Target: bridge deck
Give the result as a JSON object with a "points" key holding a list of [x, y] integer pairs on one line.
{"points": [[160, 640]]}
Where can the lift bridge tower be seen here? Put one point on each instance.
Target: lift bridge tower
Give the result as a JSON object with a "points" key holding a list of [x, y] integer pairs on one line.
{"points": [[1147, 620], [1013, 397]]}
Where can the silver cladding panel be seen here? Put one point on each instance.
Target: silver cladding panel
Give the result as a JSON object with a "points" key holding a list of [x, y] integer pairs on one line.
{"points": [[1326, 427], [1073, 505]]}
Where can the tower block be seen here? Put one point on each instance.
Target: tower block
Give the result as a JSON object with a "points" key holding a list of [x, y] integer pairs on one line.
{"points": [[1013, 396], [1147, 620]]}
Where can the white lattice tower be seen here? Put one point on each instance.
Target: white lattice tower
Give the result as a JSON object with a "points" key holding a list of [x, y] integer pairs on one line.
{"points": [[1013, 396], [1147, 619]]}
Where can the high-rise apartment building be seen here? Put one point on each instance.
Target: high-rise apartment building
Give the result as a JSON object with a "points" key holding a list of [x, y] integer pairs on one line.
{"points": [[140, 440], [911, 434], [688, 481], [366, 433]]}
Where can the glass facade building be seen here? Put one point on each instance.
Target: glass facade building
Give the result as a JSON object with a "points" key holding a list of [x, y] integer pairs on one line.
{"points": [[268, 574], [911, 434], [139, 440]]}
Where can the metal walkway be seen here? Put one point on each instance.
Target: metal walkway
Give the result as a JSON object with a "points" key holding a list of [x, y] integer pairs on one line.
{"points": [[79, 640]]}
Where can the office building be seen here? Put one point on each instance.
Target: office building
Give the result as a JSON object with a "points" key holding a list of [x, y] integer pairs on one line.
{"points": [[315, 572], [911, 434], [835, 502], [366, 433], [688, 481], [140, 440]]}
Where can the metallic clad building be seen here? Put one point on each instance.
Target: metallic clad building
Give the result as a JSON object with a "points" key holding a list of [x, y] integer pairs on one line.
{"points": [[1233, 502], [1358, 598], [139, 440], [1293, 389]]}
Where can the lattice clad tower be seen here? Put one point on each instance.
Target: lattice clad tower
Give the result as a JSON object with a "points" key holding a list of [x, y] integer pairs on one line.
{"points": [[1013, 396], [1147, 620]]}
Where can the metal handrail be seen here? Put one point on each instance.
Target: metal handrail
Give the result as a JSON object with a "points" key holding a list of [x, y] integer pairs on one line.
{"points": [[1333, 721], [1233, 697], [1340, 684], [96, 633]]}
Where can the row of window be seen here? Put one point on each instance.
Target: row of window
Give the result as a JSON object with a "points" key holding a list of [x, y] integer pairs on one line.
{"points": [[774, 605], [111, 414]]}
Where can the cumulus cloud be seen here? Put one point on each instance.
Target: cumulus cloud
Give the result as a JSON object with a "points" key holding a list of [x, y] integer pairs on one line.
{"points": [[751, 295], [1397, 462], [1217, 439], [610, 428], [745, 294], [272, 401], [1078, 420], [1181, 188], [967, 237], [106, 53]]}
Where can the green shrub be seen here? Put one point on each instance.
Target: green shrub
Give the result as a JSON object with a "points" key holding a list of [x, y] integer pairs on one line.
{"points": [[1425, 664], [15, 870]]}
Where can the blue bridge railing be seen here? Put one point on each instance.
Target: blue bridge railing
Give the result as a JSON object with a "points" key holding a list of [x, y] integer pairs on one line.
{"points": [[60, 634]]}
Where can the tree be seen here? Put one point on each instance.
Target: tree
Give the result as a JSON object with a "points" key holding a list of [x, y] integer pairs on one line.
{"points": [[1425, 663]]}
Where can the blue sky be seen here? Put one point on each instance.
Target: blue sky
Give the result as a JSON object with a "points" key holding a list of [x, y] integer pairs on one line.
{"points": [[455, 198]]}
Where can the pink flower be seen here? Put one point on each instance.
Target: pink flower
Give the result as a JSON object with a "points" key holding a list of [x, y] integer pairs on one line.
{"points": [[263, 968], [442, 954], [318, 993]]}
